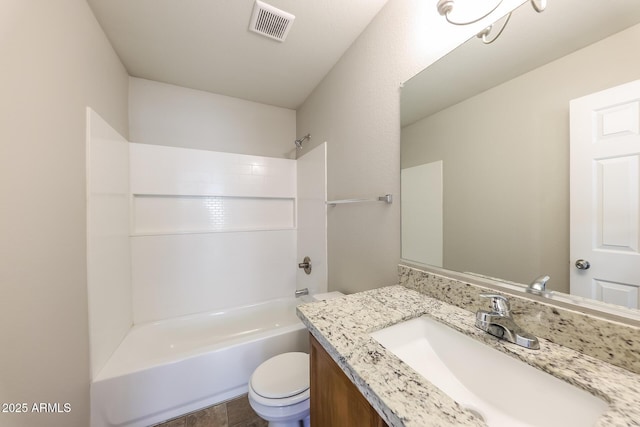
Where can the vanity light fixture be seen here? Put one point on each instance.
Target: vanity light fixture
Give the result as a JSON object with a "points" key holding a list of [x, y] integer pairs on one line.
{"points": [[446, 6]]}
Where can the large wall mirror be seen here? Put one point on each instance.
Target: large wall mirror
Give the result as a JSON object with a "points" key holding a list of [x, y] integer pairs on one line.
{"points": [[485, 140]]}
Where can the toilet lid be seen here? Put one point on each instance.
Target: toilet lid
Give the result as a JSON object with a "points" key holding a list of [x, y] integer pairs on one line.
{"points": [[282, 376]]}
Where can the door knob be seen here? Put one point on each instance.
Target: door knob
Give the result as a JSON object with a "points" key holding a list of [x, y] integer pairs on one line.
{"points": [[582, 264]]}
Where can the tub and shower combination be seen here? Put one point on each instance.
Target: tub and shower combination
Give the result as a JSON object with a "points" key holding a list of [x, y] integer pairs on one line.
{"points": [[192, 257], [168, 368]]}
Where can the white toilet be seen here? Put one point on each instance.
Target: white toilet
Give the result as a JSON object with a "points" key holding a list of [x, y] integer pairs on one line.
{"points": [[279, 390], [279, 387]]}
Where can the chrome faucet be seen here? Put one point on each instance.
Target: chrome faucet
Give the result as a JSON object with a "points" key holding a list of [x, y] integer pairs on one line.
{"points": [[301, 292], [499, 323], [538, 285]]}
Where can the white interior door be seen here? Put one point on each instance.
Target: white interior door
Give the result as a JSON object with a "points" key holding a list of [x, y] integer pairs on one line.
{"points": [[605, 195]]}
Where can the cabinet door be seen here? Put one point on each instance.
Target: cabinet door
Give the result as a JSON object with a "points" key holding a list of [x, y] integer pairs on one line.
{"points": [[335, 400]]}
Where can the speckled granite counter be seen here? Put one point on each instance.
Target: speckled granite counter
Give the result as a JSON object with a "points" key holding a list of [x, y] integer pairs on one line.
{"points": [[591, 334], [404, 398]]}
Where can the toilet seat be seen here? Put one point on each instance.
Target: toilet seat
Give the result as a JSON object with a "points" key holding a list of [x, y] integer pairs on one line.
{"points": [[287, 401], [282, 380]]}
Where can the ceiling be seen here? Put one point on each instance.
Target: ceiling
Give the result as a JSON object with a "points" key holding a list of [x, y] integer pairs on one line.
{"points": [[206, 44], [530, 40]]}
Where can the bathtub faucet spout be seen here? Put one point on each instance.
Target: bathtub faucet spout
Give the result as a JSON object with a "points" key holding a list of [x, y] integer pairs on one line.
{"points": [[301, 292]]}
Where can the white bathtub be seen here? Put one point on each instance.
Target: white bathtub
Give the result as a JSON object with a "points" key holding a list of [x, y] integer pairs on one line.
{"points": [[165, 369]]}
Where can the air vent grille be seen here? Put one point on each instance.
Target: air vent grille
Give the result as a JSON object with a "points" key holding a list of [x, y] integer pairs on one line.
{"points": [[270, 21]]}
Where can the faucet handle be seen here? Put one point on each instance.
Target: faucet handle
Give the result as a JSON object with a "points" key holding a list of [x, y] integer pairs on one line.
{"points": [[499, 304]]}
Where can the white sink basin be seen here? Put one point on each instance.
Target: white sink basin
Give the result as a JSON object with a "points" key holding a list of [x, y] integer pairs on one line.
{"points": [[504, 391]]}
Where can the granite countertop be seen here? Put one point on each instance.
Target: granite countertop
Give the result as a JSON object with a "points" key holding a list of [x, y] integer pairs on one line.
{"points": [[404, 398]]}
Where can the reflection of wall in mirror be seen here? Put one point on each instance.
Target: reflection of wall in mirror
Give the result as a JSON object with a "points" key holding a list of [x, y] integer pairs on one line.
{"points": [[421, 212], [506, 184]]}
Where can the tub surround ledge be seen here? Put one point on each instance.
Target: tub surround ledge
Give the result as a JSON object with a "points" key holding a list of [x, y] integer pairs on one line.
{"points": [[404, 398]]}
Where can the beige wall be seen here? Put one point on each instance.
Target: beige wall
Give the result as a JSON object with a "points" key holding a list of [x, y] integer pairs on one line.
{"points": [[506, 163], [164, 114], [55, 61], [356, 109]]}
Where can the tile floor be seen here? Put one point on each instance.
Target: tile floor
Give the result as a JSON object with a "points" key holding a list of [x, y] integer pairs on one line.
{"points": [[232, 413]]}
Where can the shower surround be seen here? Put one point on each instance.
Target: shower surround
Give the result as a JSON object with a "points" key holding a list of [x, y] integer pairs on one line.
{"points": [[180, 236]]}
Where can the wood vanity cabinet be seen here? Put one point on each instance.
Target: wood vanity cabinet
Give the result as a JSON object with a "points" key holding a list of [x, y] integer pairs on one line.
{"points": [[335, 400]]}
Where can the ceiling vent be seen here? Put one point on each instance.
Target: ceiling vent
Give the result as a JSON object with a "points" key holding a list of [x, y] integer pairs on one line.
{"points": [[270, 22]]}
